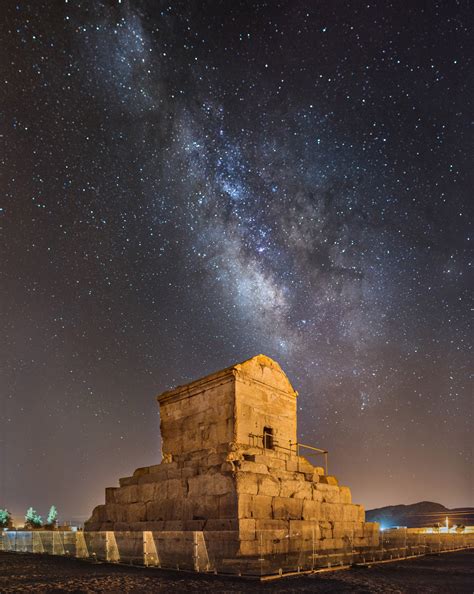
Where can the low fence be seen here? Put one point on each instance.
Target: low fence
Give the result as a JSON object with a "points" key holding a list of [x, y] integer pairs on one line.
{"points": [[208, 552]]}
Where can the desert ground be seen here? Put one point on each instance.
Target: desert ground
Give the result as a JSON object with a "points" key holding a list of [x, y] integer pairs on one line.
{"points": [[449, 572]]}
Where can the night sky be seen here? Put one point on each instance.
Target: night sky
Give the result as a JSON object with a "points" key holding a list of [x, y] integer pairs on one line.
{"points": [[187, 184]]}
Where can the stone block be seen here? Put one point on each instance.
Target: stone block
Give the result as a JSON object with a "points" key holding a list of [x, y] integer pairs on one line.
{"points": [[176, 488], [246, 483], [268, 485], [128, 494], [271, 529], [370, 528], [149, 491], [216, 459], [249, 548], [110, 494], [345, 494], [155, 468], [246, 466], [292, 465], [311, 510], [200, 507], [122, 526], [166, 509], [287, 509], [330, 493], [325, 529], [198, 486], [128, 480], [154, 526], [136, 512], [155, 477], [227, 506], [220, 524], [247, 524], [116, 512], [141, 471], [221, 484], [350, 513], [317, 495], [328, 480], [277, 464], [177, 473], [297, 489], [301, 531], [174, 525], [333, 512], [286, 475], [254, 506]]}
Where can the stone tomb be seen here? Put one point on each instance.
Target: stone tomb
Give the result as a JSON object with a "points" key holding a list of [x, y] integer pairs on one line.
{"points": [[230, 469]]}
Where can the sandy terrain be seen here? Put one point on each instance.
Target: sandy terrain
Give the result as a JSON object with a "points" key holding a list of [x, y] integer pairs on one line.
{"points": [[450, 572]]}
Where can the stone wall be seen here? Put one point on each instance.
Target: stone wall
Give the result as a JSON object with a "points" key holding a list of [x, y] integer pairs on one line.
{"points": [[198, 416], [264, 398]]}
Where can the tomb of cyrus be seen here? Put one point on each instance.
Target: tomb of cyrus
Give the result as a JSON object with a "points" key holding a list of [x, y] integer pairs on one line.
{"points": [[231, 469]]}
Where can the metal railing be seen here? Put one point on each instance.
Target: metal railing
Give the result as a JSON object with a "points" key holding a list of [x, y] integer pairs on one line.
{"points": [[294, 447], [317, 452], [300, 551]]}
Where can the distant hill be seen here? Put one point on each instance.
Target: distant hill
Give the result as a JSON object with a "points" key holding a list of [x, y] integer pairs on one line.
{"points": [[417, 515]]}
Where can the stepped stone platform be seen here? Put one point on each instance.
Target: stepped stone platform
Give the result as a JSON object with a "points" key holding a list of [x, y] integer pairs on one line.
{"points": [[230, 469]]}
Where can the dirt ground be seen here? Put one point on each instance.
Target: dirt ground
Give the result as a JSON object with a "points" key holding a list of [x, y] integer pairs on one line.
{"points": [[446, 573]]}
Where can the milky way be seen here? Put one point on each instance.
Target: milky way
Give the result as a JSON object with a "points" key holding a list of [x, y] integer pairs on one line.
{"points": [[185, 185]]}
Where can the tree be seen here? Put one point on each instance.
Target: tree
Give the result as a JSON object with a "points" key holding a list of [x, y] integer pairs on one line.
{"points": [[32, 519], [5, 517], [52, 516]]}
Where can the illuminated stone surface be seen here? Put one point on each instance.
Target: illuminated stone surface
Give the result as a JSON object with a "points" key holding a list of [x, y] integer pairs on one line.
{"points": [[217, 476]]}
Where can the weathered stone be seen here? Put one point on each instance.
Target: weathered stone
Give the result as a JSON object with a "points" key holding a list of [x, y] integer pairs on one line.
{"points": [[325, 529], [311, 510], [148, 491], [245, 466], [227, 506], [254, 506], [328, 480], [287, 509], [268, 485], [141, 471], [333, 511], [226, 472], [345, 494], [136, 512], [128, 494], [221, 524], [110, 494], [246, 483], [298, 489], [128, 480]]}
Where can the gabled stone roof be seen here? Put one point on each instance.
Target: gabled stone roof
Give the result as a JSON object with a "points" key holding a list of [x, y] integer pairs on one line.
{"points": [[249, 367]]}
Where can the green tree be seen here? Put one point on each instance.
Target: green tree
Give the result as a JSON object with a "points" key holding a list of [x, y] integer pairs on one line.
{"points": [[5, 517], [52, 516], [33, 519]]}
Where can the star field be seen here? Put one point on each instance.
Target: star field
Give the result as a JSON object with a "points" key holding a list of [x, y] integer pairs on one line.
{"points": [[185, 185]]}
